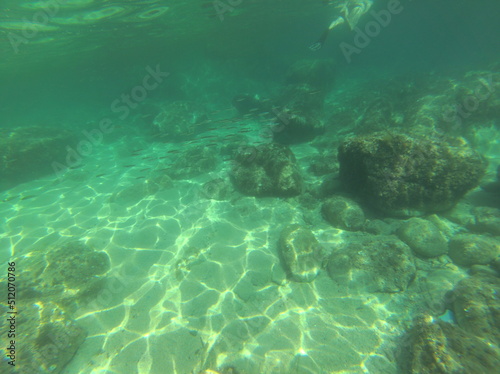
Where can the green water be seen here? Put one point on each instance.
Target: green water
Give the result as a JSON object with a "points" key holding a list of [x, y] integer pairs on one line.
{"points": [[189, 187]]}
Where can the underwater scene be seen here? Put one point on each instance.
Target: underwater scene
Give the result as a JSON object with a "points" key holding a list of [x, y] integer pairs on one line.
{"points": [[250, 186]]}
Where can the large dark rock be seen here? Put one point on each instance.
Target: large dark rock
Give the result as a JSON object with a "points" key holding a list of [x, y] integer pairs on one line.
{"points": [[266, 170], [409, 175], [434, 346], [27, 153]]}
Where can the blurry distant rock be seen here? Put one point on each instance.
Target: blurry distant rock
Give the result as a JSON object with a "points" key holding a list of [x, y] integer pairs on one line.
{"points": [[250, 104], [409, 175], [461, 214], [292, 127], [434, 111], [370, 263], [379, 114], [301, 98], [493, 187], [27, 153], [478, 95], [477, 306], [324, 165], [216, 189], [487, 220], [434, 346], [470, 249], [177, 121], [423, 237], [319, 74], [192, 163], [50, 338], [387, 226], [266, 170], [343, 213], [300, 252]]}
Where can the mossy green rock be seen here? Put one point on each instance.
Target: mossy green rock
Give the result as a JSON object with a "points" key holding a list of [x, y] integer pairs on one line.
{"points": [[486, 219], [343, 213], [477, 306], [407, 175], [266, 170], [440, 347], [423, 237], [372, 263], [49, 338], [300, 253], [470, 249]]}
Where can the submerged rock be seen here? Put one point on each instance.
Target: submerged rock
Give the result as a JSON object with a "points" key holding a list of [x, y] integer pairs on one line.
{"points": [[470, 249], [434, 346], [266, 170], [27, 153], [477, 306], [293, 126], [301, 254], [486, 219], [343, 213], [372, 263], [409, 175], [423, 237], [192, 163], [50, 338], [319, 74], [177, 121]]}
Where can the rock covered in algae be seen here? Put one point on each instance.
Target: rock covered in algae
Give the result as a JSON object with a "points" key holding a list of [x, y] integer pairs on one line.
{"points": [[477, 306], [301, 254], [409, 175], [343, 213], [266, 170], [471, 249], [295, 126], [423, 237], [372, 263], [49, 339], [486, 219], [436, 346]]}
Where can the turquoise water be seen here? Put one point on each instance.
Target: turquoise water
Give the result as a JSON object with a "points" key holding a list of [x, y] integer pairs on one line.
{"points": [[230, 186]]}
